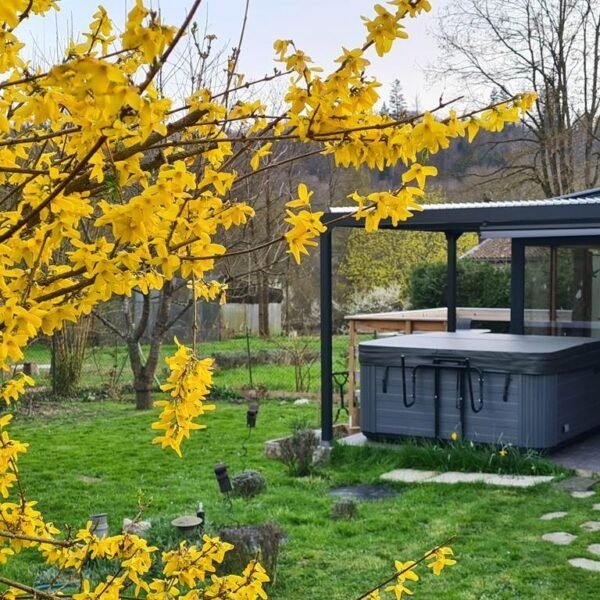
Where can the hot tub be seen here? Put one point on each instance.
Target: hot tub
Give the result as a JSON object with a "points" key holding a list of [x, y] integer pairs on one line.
{"points": [[530, 391]]}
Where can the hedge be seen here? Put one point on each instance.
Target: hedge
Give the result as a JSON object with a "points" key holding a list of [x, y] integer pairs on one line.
{"points": [[480, 285]]}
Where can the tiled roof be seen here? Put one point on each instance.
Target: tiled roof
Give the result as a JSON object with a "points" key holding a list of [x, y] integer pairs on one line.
{"points": [[492, 250], [498, 250]]}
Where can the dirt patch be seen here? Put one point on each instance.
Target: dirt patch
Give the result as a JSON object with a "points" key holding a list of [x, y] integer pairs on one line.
{"points": [[88, 479]]}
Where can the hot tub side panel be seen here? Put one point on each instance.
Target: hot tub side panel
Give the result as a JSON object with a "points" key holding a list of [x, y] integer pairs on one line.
{"points": [[384, 410], [578, 403], [539, 411], [498, 421]]}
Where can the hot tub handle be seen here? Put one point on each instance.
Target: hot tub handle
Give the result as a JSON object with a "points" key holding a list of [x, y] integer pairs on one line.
{"points": [[386, 374], [507, 382], [469, 368]]}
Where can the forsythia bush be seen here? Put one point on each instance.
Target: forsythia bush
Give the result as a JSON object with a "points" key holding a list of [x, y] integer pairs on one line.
{"points": [[107, 186]]}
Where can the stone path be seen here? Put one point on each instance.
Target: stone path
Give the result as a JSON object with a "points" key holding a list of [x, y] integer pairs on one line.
{"points": [[583, 494], [576, 484], [582, 455], [585, 563], [450, 477], [552, 516], [560, 538], [578, 487]]}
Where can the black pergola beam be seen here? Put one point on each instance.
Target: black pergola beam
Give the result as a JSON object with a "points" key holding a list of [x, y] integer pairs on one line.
{"points": [[326, 338], [451, 282], [517, 286]]}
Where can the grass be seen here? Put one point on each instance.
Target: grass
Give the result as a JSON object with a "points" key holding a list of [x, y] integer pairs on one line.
{"points": [[106, 364], [92, 458], [462, 456]]}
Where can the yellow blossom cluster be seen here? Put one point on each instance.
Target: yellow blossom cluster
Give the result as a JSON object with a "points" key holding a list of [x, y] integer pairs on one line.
{"points": [[187, 384], [109, 186], [339, 111]]}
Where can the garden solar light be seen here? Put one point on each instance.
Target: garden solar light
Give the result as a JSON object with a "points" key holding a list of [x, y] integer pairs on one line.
{"points": [[223, 478], [187, 524], [251, 415], [200, 513]]}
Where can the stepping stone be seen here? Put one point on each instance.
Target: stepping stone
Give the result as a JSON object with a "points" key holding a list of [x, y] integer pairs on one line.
{"points": [[519, 481], [408, 475], [560, 538], [417, 476], [552, 516], [582, 494], [576, 484], [592, 526], [455, 477], [596, 507], [594, 549], [585, 563], [363, 492]]}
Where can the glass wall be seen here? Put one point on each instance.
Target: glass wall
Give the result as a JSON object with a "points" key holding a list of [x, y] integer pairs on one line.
{"points": [[562, 289]]}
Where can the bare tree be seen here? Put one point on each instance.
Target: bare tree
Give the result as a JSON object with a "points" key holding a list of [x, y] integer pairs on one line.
{"points": [[151, 324], [551, 47]]}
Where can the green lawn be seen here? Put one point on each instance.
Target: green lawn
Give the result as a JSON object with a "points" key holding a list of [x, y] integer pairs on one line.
{"points": [[500, 553], [107, 364]]}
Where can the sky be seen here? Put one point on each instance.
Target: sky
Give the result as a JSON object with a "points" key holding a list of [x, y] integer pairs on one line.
{"points": [[319, 27]]}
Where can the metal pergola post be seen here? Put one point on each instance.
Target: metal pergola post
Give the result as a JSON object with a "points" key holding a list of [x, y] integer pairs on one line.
{"points": [[517, 287], [451, 286], [326, 338]]}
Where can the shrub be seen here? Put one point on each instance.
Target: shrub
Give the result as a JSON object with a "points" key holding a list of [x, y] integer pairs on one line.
{"points": [[345, 508], [297, 451], [379, 299], [479, 285], [248, 484], [250, 542]]}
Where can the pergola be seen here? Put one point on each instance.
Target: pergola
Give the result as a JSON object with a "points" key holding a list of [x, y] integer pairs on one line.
{"points": [[568, 220]]}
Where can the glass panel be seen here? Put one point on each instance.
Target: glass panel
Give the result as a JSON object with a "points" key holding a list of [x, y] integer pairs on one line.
{"points": [[578, 291], [537, 290]]}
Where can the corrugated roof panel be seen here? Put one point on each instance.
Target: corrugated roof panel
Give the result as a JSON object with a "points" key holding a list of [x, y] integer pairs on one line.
{"points": [[592, 199]]}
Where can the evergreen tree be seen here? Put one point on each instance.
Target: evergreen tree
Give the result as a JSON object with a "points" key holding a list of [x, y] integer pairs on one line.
{"points": [[396, 108]]}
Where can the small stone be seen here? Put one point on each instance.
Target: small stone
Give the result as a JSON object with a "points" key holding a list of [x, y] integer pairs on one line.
{"points": [[596, 507], [585, 563], [302, 402], [139, 528], [408, 475], [355, 439], [592, 526], [553, 515], [582, 494], [594, 549], [560, 538]]}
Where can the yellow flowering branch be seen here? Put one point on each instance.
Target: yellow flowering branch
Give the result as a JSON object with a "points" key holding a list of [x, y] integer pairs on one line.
{"points": [[410, 566]]}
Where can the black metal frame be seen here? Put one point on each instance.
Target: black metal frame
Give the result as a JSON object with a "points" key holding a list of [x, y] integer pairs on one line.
{"points": [[453, 221]]}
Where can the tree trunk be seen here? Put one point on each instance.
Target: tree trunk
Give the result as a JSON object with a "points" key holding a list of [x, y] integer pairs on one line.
{"points": [[69, 352], [143, 392], [144, 368], [263, 304]]}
